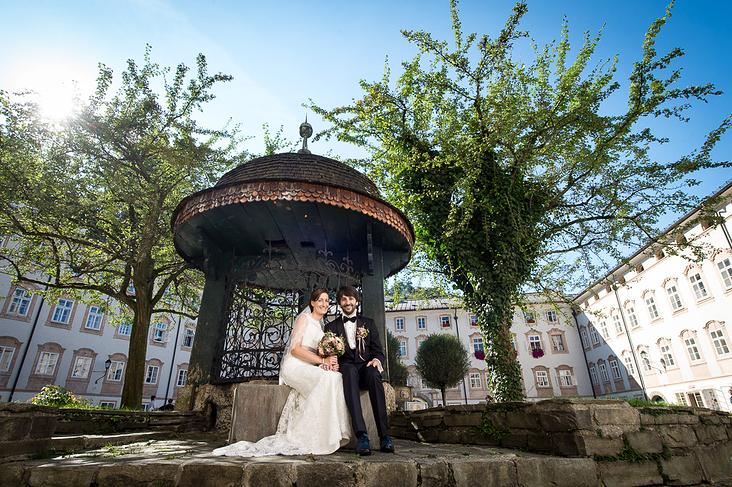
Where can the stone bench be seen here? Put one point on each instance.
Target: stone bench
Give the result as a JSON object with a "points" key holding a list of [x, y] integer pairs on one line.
{"points": [[257, 407]]}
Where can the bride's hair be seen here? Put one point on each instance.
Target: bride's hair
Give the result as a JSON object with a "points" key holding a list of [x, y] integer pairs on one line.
{"points": [[315, 295]]}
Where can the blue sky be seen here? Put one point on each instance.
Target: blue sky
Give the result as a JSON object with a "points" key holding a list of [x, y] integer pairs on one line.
{"points": [[281, 53]]}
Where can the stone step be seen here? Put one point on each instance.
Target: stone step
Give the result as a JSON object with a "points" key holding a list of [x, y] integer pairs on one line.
{"points": [[79, 443], [189, 463]]}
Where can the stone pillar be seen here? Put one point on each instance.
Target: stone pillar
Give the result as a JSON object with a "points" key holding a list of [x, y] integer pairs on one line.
{"points": [[210, 322], [372, 285]]}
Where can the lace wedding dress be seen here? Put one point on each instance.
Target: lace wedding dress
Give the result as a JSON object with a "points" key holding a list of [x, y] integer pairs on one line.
{"points": [[315, 418]]}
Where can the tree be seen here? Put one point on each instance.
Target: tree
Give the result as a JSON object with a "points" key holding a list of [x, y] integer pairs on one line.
{"points": [[88, 200], [522, 177], [398, 372], [442, 362]]}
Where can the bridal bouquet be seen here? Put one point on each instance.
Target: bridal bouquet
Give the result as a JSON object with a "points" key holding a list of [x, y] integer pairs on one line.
{"points": [[331, 344]]}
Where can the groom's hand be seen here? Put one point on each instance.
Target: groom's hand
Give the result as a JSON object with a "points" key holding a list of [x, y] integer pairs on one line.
{"points": [[375, 363]]}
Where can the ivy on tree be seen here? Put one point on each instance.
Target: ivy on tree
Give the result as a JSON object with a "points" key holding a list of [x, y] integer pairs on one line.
{"points": [[520, 177], [88, 200]]}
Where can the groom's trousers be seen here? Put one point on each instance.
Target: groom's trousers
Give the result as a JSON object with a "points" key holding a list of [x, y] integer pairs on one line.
{"points": [[357, 377]]}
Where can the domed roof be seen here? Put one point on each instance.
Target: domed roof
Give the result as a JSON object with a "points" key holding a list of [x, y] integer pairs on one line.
{"points": [[301, 167]]}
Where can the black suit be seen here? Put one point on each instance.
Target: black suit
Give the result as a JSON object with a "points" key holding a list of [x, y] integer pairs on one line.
{"points": [[357, 376]]}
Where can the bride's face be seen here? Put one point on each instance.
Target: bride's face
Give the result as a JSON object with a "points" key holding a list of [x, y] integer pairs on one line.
{"points": [[321, 304]]}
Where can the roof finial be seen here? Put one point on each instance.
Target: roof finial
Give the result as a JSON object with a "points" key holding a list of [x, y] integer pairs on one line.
{"points": [[306, 131]]}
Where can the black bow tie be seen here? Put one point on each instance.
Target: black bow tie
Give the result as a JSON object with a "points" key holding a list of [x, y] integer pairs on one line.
{"points": [[347, 319]]}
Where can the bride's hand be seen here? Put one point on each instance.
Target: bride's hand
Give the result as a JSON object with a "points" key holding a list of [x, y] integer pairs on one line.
{"points": [[325, 367]]}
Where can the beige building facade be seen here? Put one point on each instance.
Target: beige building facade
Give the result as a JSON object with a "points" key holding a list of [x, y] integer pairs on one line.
{"points": [[658, 326]]}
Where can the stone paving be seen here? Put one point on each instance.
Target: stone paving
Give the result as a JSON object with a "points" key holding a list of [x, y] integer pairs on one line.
{"points": [[189, 462]]}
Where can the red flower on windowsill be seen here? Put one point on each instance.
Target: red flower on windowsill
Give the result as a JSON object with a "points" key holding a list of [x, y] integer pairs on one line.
{"points": [[479, 355], [537, 352]]}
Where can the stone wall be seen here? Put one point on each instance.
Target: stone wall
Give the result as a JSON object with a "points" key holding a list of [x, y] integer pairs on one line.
{"points": [[25, 428], [681, 445]]}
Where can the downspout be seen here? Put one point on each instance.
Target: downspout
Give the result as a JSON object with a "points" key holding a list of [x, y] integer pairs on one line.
{"points": [[630, 343], [27, 345]]}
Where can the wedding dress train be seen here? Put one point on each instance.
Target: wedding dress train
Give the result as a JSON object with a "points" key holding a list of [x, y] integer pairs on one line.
{"points": [[315, 418]]}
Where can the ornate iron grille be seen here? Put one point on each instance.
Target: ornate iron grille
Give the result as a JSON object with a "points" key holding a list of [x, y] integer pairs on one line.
{"points": [[263, 299]]}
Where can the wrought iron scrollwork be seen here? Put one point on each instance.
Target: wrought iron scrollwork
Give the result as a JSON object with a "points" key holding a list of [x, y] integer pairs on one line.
{"points": [[261, 311]]}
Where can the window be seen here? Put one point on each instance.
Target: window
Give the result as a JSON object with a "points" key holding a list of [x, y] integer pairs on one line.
{"points": [[152, 374], [529, 317], [81, 367], [188, 337], [402, 348], [182, 374], [159, 332], [645, 361], [603, 372], [651, 306], [551, 316], [62, 311], [421, 323], [20, 303], [420, 341], [399, 324], [614, 369], [725, 270], [604, 330], [475, 382], [445, 321], [629, 366], [594, 335], [617, 323], [94, 320], [697, 284], [557, 343], [107, 404], [6, 356], [692, 349], [478, 344], [593, 376], [719, 341], [115, 371], [632, 318], [542, 378], [667, 355], [674, 298], [585, 339], [681, 399], [534, 342], [696, 400], [565, 378], [47, 363], [474, 320], [125, 329]]}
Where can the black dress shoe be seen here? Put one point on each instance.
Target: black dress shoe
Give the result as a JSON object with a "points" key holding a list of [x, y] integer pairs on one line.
{"points": [[386, 445], [363, 447]]}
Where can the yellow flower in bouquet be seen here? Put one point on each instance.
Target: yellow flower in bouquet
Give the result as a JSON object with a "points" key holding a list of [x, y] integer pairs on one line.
{"points": [[331, 344]]}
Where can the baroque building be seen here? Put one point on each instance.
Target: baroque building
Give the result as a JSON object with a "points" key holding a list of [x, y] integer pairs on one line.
{"points": [[73, 345], [657, 327], [545, 341]]}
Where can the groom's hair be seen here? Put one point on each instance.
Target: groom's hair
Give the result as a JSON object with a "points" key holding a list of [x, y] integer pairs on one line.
{"points": [[348, 291]]}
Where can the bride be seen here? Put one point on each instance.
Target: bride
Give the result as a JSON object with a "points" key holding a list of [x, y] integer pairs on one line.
{"points": [[314, 419]]}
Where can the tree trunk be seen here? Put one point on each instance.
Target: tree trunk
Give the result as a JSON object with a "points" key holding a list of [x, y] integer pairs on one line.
{"points": [[135, 374]]}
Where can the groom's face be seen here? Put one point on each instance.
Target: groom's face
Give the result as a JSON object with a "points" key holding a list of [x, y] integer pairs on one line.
{"points": [[348, 305]]}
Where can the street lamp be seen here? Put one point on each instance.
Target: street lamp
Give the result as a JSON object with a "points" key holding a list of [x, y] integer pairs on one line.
{"points": [[107, 365]]}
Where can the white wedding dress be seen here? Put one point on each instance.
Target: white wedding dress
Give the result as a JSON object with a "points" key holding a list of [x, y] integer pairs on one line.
{"points": [[315, 418]]}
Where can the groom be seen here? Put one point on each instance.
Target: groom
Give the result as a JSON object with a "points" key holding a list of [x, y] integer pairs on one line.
{"points": [[361, 366]]}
